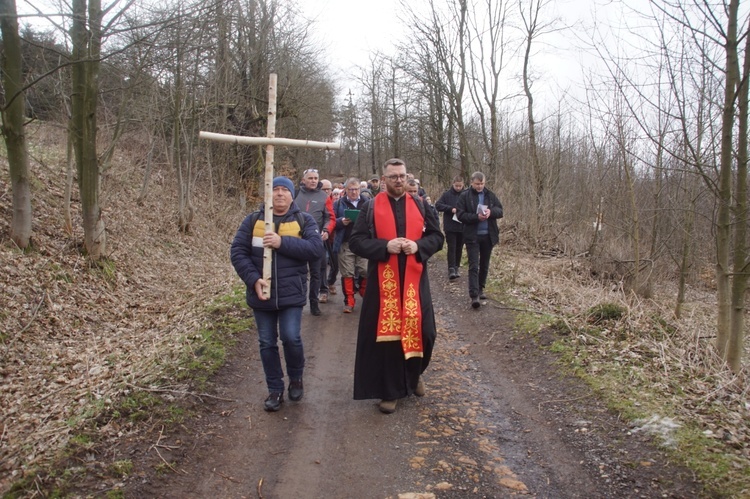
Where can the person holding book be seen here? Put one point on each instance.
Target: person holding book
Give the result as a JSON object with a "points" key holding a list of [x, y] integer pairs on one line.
{"points": [[478, 209], [350, 265]]}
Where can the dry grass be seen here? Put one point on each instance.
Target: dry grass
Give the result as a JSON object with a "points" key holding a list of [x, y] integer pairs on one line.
{"points": [[647, 363], [75, 337]]}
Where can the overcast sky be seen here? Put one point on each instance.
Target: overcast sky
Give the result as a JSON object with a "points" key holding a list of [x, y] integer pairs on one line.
{"points": [[351, 30]]}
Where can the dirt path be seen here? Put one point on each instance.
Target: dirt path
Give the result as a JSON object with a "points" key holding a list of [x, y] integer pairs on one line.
{"points": [[497, 421]]}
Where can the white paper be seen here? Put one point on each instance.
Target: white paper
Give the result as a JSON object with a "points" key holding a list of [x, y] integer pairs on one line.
{"points": [[455, 219], [481, 209]]}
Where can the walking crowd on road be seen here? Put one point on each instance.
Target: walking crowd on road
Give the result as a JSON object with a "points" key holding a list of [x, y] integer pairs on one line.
{"points": [[372, 241]]}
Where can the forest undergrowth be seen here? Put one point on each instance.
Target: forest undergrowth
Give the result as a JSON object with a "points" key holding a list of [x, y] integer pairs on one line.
{"points": [[77, 338], [658, 372]]}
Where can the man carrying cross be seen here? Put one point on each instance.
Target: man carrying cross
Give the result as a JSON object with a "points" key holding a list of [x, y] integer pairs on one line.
{"points": [[397, 331], [295, 241]]}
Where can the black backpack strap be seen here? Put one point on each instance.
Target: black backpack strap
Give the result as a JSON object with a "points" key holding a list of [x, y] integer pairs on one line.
{"points": [[254, 217], [301, 222]]}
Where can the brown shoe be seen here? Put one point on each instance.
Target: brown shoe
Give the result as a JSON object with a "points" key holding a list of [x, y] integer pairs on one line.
{"points": [[387, 406], [323, 298], [419, 390], [348, 309], [332, 289]]}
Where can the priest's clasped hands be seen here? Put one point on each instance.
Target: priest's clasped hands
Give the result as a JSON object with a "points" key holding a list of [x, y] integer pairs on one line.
{"points": [[402, 244]]}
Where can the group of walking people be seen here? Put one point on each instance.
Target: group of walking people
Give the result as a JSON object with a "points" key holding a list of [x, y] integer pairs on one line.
{"points": [[381, 243]]}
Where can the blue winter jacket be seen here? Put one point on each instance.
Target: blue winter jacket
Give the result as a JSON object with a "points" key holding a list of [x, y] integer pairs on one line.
{"points": [[289, 263]]}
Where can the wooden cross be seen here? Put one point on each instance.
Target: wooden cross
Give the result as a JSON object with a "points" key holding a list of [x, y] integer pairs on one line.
{"points": [[269, 141]]}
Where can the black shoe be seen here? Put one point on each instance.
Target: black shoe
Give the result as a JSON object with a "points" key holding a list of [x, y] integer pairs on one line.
{"points": [[315, 309], [452, 274], [475, 302], [273, 402], [296, 390], [458, 274], [482, 296]]}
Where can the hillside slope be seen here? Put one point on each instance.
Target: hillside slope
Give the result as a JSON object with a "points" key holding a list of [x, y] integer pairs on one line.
{"points": [[74, 336]]}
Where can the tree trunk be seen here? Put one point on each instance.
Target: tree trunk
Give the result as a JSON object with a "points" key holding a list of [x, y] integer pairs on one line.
{"points": [[536, 174], [740, 262], [69, 159], [686, 256], [147, 172], [183, 224], [12, 114], [86, 38], [723, 217]]}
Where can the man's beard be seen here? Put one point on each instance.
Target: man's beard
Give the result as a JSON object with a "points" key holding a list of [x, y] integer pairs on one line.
{"points": [[392, 190]]}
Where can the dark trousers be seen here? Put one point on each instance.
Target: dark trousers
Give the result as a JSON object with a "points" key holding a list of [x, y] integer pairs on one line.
{"points": [[479, 253], [317, 274], [455, 242], [323, 288], [333, 266]]}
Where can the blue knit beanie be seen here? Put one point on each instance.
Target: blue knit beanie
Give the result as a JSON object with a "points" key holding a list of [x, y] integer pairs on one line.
{"points": [[284, 182]]}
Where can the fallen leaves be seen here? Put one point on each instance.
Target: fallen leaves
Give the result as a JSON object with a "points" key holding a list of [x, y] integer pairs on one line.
{"points": [[73, 335]]}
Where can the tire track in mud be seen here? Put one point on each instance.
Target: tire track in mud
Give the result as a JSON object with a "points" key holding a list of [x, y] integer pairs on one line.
{"points": [[485, 428]]}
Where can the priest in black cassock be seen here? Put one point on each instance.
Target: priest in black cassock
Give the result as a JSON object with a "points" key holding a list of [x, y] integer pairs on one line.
{"points": [[396, 332]]}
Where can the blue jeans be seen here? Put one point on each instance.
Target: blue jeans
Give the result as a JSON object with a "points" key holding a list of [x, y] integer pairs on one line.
{"points": [[289, 323]]}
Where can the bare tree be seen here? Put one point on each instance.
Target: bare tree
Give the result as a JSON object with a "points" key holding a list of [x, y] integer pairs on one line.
{"points": [[445, 36], [13, 130], [86, 36], [713, 29], [708, 46], [487, 61], [534, 27]]}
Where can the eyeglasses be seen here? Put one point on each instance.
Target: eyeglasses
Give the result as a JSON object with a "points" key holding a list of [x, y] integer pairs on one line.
{"points": [[352, 189], [309, 170], [393, 178]]}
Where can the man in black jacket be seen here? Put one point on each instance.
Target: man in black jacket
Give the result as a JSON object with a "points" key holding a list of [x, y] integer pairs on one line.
{"points": [[453, 229], [478, 210]]}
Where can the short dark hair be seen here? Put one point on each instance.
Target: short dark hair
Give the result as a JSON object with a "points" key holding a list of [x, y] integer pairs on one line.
{"points": [[477, 176], [394, 161], [457, 178]]}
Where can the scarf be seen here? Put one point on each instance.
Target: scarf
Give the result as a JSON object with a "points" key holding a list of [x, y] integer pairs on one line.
{"points": [[400, 318]]}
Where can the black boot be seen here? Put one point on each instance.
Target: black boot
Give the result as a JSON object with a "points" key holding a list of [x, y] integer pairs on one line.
{"points": [[296, 390], [315, 309], [273, 402]]}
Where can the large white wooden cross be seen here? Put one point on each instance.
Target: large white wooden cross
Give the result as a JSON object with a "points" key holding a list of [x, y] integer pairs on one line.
{"points": [[269, 141]]}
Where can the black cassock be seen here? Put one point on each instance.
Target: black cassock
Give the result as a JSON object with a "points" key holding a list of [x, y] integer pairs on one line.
{"points": [[380, 369]]}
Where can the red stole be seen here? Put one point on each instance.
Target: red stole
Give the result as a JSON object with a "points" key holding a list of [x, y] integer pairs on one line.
{"points": [[399, 318]]}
